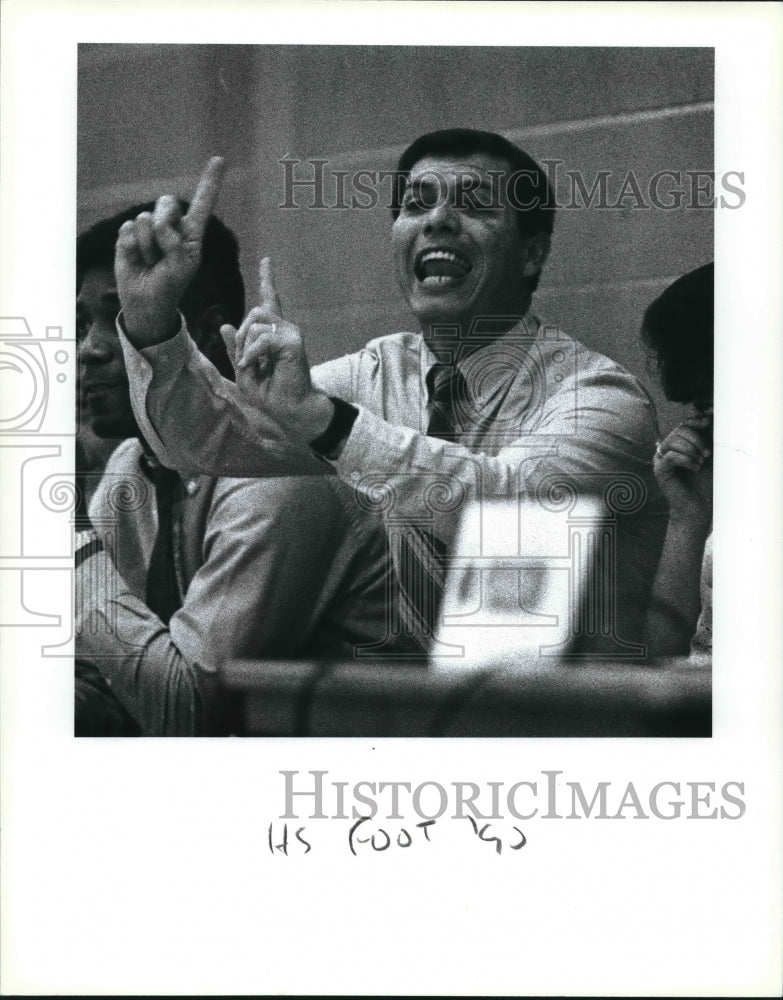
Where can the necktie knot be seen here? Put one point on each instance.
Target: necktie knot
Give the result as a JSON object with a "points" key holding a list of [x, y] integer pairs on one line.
{"points": [[442, 381]]}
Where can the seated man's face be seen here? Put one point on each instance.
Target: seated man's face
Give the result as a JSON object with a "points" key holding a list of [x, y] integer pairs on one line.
{"points": [[457, 261], [104, 383]]}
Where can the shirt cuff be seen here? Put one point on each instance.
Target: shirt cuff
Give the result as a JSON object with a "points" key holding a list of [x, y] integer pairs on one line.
{"points": [[86, 543], [168, 356], [338, 430], [373, 446], [97, 583], [173, 349]]}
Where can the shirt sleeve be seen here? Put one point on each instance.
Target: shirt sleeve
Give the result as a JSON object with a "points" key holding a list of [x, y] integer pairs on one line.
{"points": [[598, 433], [197, 422], [134, 651], [277, 555], [599, 422]]}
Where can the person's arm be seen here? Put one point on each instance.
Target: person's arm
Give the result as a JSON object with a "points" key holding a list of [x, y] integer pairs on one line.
{"points": [[683, 468], [198, 422], [157, 255], [598, 421], [276, 553], [162, 689], [604, 423], [597, 437]]}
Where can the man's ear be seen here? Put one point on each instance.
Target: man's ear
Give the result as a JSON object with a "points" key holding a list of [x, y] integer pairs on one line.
{"points": [[536, 252]]}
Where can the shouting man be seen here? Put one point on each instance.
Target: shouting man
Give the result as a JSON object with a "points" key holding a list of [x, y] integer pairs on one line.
{"points": [[485, 401]]}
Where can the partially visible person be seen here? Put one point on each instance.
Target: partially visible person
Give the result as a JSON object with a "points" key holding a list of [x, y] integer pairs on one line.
{"points": [[679, 329], [92, 451], [178, 576]]}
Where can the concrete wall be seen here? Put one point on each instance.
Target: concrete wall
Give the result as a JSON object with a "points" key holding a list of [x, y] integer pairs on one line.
{"points": [[150, 115]]}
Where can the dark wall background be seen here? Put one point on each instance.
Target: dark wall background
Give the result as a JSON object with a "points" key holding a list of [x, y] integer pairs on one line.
{"points": [[150, 116]]}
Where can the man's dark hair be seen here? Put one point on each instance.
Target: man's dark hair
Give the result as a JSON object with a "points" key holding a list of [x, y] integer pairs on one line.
{"points": [[678, 327], [531, 195], [218, 280]]}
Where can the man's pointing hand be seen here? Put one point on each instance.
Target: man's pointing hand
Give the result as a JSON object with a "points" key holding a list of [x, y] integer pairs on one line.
{"points": [[157, 256], [272, 369]]}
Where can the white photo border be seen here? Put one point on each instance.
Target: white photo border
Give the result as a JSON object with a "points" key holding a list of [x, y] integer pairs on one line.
{"points": [[143, 866]]}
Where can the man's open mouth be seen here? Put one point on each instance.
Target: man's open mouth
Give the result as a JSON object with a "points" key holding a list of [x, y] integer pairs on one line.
{"points": [[440, 267]]}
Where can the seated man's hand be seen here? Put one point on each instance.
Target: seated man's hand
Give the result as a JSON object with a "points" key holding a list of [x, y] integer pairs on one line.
{"points": [[683, 468], [157, 255], [272, 369]]}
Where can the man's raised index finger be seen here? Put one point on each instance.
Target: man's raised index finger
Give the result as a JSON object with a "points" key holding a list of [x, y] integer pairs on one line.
{"points": [[268, 296], [206, 196]]}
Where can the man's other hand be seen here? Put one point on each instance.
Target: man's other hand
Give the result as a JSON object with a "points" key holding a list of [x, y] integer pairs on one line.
{"points": [[273, 372], [158, 254]]}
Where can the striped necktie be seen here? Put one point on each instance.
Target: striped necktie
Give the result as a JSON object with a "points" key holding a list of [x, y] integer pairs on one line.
{"points": [[421, 555], [162, 593]]}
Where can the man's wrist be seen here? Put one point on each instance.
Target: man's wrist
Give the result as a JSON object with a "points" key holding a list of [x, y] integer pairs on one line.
{"points": [[331, 440], [155, 331], [314, 416], [695, 525]]}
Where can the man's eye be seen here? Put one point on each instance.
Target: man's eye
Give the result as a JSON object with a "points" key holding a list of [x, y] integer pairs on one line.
{"points": [[82, 326], [482, 209], [412, 203], [422, 200]]}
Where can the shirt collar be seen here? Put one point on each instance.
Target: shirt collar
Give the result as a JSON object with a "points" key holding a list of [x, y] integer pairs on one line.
{"points": [[148, 461], [159, 474], [518, 339]]}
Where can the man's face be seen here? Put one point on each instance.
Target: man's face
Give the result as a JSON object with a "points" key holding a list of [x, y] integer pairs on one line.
{"points": [[103, 380], [456, 260]]}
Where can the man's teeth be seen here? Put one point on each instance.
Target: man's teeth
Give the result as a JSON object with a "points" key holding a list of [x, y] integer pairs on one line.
{"points": [[447, 255], [439, 266]]}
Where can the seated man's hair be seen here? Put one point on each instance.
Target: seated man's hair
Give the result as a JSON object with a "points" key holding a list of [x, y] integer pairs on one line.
{"points": [[217, 282], [678, 328]]}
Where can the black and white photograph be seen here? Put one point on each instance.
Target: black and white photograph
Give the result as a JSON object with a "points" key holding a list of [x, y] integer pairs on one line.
{"points": [[374, 375], [479, 526]]}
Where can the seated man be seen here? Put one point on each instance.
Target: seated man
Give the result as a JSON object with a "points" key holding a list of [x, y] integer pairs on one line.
{"points": [[176, 576], [486, 400]]}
